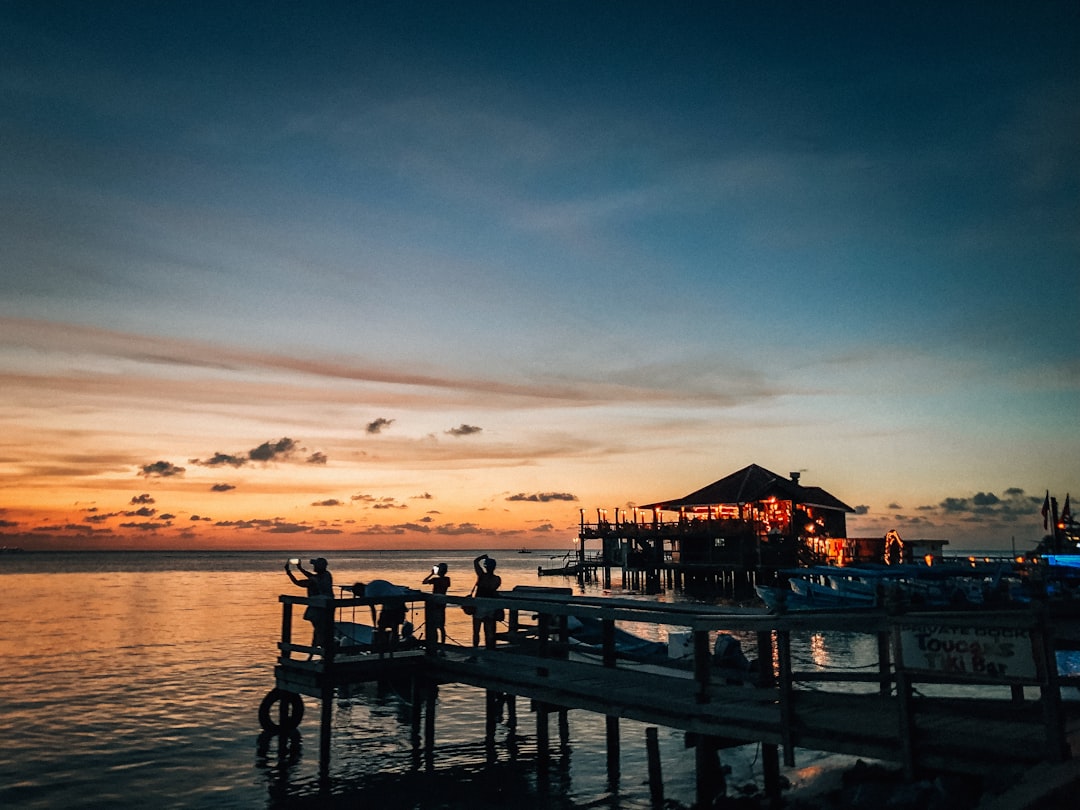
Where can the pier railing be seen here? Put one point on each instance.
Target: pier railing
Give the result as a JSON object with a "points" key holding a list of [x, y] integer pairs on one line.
{"points": [[949, 689]]}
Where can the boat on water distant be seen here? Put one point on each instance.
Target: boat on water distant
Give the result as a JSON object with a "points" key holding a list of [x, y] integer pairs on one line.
{"points": [[524, 551], [898, 586]]}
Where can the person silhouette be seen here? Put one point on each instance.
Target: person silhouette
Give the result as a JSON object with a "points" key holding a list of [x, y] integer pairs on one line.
{"points": [[436, 608], [487, 585], [320, 588]]}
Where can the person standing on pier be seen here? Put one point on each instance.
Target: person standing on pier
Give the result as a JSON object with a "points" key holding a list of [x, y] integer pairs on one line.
{"points": [[436, 609], [320, 587], [487, 585]]}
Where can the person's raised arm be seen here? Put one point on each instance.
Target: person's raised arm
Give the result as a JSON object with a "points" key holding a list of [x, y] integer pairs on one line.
{"points": [[476, 564], [292, 576]]}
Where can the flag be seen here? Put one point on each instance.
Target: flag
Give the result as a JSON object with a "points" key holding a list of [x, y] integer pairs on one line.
{"points": [[1046, 511], [1066, 512]]}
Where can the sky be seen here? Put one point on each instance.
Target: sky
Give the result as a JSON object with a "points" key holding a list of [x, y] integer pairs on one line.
{"points": [[424, 274]]}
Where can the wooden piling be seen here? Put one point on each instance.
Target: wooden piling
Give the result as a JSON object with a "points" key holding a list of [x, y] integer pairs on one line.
{"points": [[611, 728], [543, 739], [429, 724], [656, 777]]}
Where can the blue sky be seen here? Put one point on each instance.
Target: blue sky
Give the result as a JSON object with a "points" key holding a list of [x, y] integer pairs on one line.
{"points": [[631, 247]]}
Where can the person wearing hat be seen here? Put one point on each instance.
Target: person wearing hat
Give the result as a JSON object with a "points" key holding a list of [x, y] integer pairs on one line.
{"points": [[320, 587]]}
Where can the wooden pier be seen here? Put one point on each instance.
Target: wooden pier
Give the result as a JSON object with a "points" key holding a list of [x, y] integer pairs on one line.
{"points": [[905, 710]]}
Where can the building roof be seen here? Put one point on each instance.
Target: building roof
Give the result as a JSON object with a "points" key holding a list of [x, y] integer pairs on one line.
{"points": [[752, 484]]}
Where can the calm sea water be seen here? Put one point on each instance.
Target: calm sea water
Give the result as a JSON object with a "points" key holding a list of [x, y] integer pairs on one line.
{"points": [[130, 679]]}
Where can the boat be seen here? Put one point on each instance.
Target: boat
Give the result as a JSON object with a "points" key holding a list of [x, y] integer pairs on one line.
{"points": [[524, 551], [894, 586], [587, 637], [568, 569]]}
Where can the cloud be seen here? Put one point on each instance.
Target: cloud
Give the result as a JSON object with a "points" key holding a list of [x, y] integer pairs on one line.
{"points": [[986, 507], [288, 528], [141, 499], [464, 528], [220, 460], [161, 469], [221, 487], [542, 497], [7, 524], [427, 496], [145, 511], [862, 509], [464, 430], [327, 502], [378, 425], [272, 526], [268, 451]]}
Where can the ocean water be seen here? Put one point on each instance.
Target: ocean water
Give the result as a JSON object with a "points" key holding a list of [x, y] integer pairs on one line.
{"points": [[133, 679]]}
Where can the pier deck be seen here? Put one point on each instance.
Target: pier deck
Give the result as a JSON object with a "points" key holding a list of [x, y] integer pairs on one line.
{"points": [[903, 711]]}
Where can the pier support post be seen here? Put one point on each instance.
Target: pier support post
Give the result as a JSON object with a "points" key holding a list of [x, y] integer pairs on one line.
{"points": [[770, 768], [325, 723], [656, 777], [543, 738], [709, 775], [493, 702], [611, 727], [415, 695], [511, 711], [429, 725]]}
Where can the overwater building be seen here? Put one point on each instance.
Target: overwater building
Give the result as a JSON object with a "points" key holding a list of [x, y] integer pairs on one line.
{"points": [[745, 526]]}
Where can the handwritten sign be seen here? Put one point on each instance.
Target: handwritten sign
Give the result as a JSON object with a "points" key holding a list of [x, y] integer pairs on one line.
{"points": [[994, 653]]}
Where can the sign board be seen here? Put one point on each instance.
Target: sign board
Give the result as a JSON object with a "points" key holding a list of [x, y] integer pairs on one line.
{"points": [[990, 653]]}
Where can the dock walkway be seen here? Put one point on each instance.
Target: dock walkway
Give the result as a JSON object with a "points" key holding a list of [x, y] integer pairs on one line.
{"points": [[907, 710]]}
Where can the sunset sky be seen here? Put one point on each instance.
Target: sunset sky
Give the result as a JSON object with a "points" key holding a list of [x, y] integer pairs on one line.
{"points": [[370, 275]]}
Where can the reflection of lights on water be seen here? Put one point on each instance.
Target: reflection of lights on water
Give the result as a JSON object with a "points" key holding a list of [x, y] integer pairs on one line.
{"points": [[818, 653]]}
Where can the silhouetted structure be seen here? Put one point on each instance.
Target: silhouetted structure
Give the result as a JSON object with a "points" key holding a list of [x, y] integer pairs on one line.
{"points": [[735, 532]]}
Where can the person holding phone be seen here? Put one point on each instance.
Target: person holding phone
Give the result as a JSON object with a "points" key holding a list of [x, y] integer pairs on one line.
{"points": [[320, 587], [436, 609], [487, 585]]}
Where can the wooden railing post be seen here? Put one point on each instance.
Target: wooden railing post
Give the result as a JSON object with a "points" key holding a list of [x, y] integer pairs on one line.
{"points": [[905, 708], [884, 664], [607, 634], [286, 628], [702, 665], [765, 659], [787, 696], [326, 621], [1042, 639], [429, 635]]}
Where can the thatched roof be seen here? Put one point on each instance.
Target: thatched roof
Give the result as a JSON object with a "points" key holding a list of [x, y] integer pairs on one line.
{"points": [[749, 485]]}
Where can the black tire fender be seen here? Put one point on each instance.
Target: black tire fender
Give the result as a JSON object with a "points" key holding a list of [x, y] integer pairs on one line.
{"points": [[291, 702]]}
